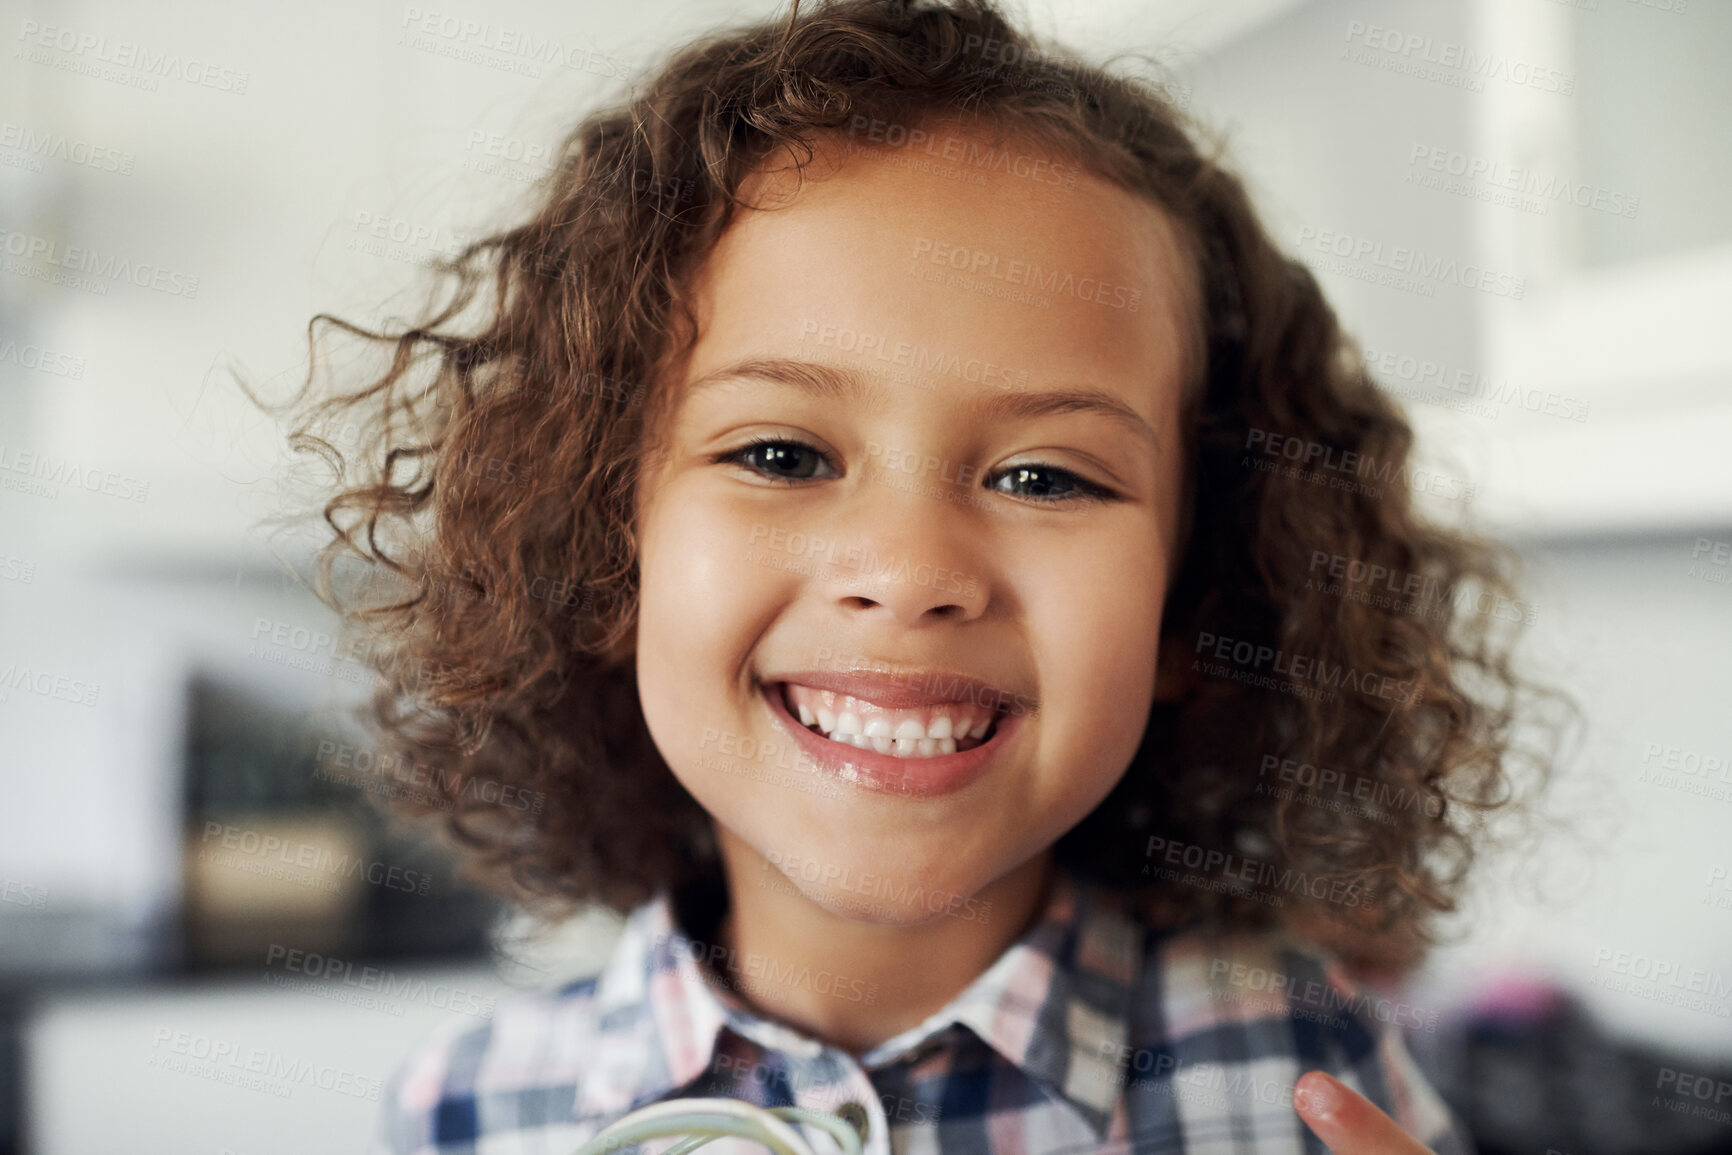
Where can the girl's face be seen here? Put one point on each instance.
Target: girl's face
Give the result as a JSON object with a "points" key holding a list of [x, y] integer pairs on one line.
{"points": [[922, 477]]}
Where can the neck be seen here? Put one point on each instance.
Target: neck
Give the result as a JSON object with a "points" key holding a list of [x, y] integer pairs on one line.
{"points": [[888, 977]]}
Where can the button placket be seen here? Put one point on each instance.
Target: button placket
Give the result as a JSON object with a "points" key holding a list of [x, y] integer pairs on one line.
{"points": [[854, 1100]]}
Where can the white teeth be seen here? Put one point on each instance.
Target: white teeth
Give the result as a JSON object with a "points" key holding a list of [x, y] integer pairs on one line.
{"points": [[906, 738], [901, 747]]}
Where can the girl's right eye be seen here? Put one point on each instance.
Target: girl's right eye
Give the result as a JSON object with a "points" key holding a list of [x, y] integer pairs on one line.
{"points": [[778, 458]]}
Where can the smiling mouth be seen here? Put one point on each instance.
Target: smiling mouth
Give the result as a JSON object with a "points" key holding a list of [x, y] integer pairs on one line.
{"points": [[929, 731]]}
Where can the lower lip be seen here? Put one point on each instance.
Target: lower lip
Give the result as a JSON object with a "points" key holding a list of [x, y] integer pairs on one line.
{"points": [[920, 777]]}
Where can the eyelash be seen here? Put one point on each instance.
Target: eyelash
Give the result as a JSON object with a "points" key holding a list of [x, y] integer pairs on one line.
{"points": [[1082, 487]]}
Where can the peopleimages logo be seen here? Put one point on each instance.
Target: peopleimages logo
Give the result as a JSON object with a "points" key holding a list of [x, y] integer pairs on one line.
{"points": [[1419, 594], [27, 141], [66, 471], [964, 150], [514, 49], [1428, 58], [1322, 780], [349, 765], [1321, 995], [1660, 972], [320, 859], [1717, 569], [919, 358], [1320, 671], [108, 267], [971, 262], [23, 894], [42, 360], [1225, 866], [1321, 461], [335, 978], [1411, 370], [221, 1060], [1496, 177], [1404, 267], [88, 52], [47, 684], [877, 886]]}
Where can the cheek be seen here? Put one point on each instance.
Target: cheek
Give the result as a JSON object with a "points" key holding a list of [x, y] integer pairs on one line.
{"points": [[1098, 628], [702, 603]]}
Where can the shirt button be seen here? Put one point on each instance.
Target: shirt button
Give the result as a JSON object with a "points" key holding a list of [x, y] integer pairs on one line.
{"points": [[855, 1116]]}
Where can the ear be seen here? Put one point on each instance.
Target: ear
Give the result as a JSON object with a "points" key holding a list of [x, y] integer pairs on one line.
{"points": [[1175, 675]]}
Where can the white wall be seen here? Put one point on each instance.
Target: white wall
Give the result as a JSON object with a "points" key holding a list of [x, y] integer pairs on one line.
{"points": [[1624, 624]]}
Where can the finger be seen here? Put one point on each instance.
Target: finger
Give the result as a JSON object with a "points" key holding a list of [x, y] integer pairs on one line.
{"points": [[1348, 1122]]}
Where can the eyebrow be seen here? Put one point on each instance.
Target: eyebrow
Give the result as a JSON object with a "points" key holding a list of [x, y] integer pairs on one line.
{"points": [[834, 383]]}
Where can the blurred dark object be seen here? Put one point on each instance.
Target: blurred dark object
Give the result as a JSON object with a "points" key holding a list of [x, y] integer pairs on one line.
{"points": [[1530, 1071], [11, 1077], [287, 848]]}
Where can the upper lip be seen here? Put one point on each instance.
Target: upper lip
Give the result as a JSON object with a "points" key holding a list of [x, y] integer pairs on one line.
{"points": [[903, 689]]}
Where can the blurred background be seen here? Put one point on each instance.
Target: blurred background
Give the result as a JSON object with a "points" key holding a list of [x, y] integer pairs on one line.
{"points": [[181, 847]]}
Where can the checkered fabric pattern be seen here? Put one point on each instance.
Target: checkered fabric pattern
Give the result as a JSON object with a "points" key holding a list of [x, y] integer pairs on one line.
{"points": [[1089, 1034]]}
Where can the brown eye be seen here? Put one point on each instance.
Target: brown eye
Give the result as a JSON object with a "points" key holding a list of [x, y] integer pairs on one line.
{"points": [[780, 458], [1047, 483], [785, 458]]}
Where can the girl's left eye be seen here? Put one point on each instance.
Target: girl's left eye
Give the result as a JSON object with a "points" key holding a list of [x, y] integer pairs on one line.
{"points": [[779, 458], [1048, 483]]}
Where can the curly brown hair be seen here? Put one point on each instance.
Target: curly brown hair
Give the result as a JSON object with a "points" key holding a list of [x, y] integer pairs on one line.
{"points": [[504, 650]]}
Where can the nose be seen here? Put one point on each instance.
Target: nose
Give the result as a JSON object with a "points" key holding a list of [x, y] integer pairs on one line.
{"points": [[919, 558]]}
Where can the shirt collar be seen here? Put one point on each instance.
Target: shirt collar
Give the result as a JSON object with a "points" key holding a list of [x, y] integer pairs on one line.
{"points": [[1056, 1004]]}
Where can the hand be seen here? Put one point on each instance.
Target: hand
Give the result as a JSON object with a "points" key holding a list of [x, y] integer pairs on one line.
{"points": [[1348, 1122]]}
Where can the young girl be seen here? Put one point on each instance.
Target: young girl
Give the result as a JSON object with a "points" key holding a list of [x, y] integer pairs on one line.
{"points": [[902, 513]]}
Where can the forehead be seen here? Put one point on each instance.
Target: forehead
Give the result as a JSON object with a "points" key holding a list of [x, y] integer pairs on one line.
{"points": [[971, 243]]}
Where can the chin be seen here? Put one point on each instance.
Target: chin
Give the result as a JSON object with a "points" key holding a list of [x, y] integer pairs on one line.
{"points": [[887, 889]]}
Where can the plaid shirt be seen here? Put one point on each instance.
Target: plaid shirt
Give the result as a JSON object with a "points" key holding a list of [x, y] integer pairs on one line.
{"points": [[1089, 1034]]}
